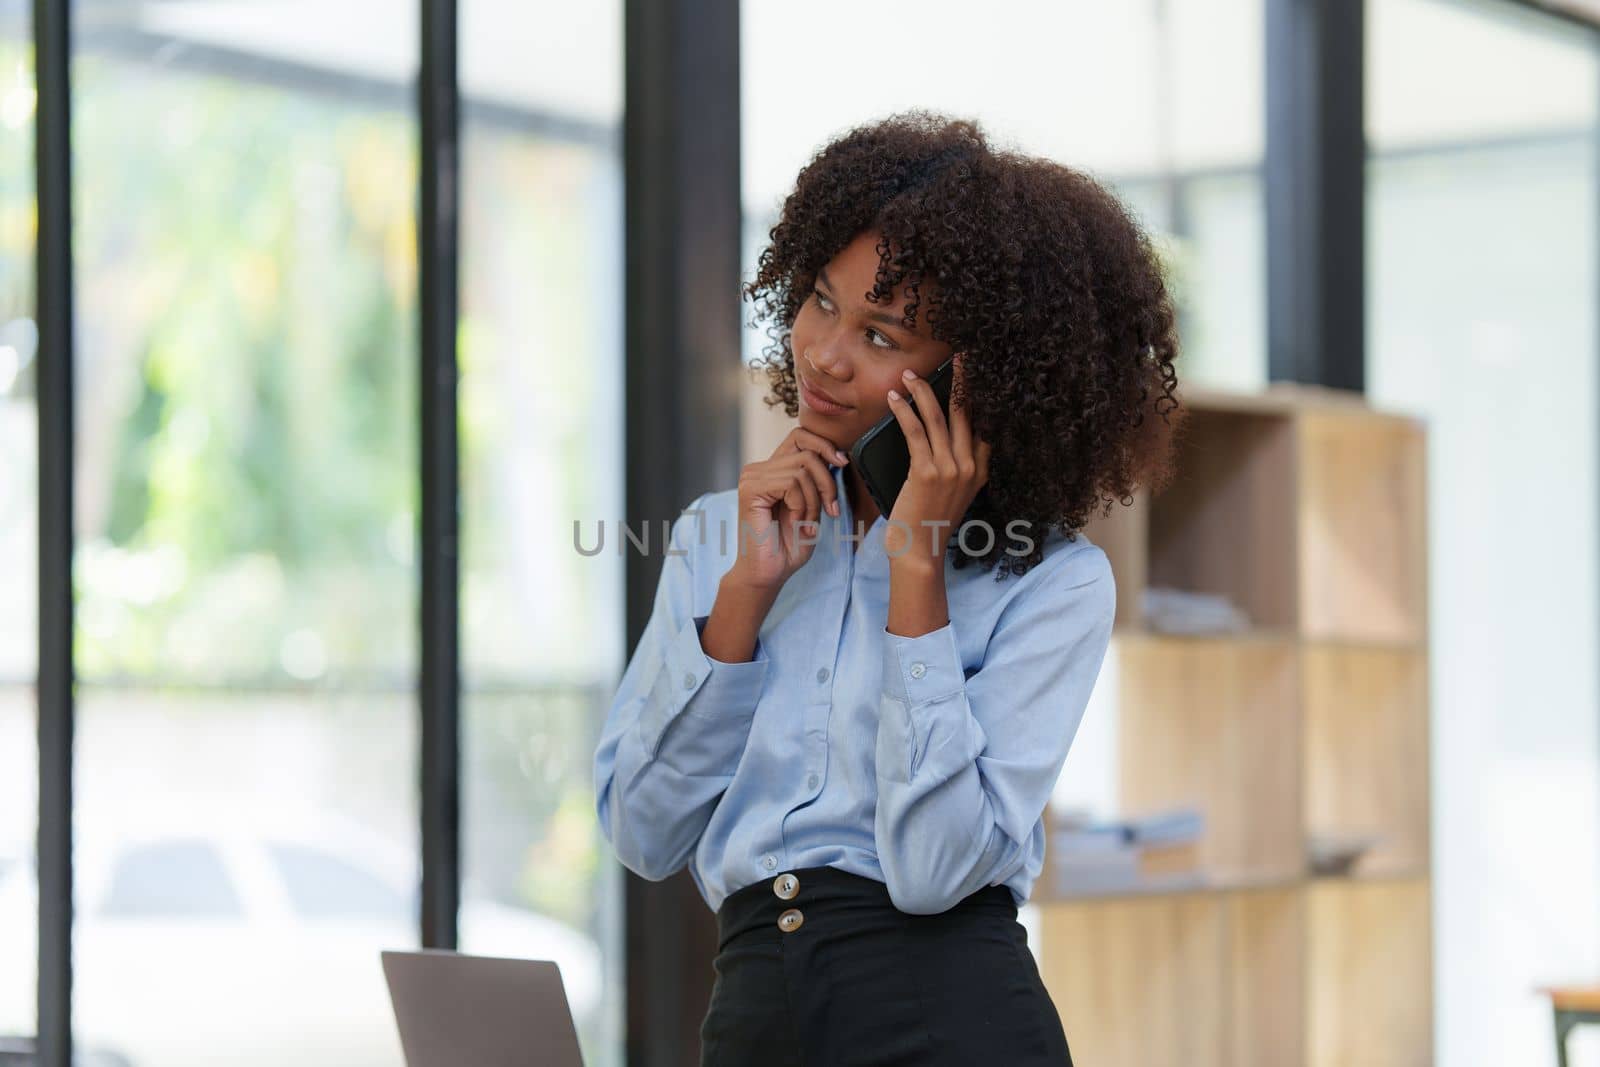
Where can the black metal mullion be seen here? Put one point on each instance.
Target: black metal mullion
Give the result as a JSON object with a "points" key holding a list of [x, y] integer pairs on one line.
{"points": [[682, 265], [439, 689], [53, 185], [1314, 176]]}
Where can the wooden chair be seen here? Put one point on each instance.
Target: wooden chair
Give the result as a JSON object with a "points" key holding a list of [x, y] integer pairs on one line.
{"points": [[1571, 1006]]}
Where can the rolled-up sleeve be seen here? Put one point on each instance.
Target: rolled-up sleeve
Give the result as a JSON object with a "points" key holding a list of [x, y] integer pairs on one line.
{"points": [[965, 765], [675, 728]]}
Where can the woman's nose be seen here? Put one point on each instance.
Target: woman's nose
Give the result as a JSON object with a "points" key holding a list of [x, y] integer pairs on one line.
{"points": [[826, 357]]}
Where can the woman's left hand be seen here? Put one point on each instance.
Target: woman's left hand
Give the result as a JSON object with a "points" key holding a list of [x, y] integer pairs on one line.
{"points": [[949, 464]]}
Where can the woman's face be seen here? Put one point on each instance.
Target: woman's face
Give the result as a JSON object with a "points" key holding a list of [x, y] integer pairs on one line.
{"points": [[854, 351]]}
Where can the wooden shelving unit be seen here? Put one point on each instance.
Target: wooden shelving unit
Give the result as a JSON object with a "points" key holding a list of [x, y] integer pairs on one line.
{"points": [[1307, 509]]}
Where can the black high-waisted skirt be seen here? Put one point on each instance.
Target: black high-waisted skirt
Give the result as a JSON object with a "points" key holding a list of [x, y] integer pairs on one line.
{"points": [[816, 967]]}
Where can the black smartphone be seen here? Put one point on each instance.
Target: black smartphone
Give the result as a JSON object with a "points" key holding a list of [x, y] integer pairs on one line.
{"points": [[881, 454]]}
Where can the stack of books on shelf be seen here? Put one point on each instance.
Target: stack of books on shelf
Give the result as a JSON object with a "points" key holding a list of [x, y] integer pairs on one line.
{"points": [[1154, 852], [1183, 611]]}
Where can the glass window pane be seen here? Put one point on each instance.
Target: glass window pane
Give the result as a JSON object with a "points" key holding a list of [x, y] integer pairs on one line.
{"points": [[1482, 319], [325, 885], [541, 418], [1180, 138], [19, 518], [170, 879], [246, 268], [178, 783], [1220, 264]]}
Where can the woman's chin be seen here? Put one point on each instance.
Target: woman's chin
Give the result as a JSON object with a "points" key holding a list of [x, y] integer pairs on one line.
{"points": [[834, 427]]}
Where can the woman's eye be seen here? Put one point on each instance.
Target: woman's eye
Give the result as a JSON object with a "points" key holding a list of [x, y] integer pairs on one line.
{"points": [[822, 302]]}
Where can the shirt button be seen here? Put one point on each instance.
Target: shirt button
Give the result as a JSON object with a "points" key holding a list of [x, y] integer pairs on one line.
{"points": [[918, 670], [688, 681], [790, 920], [811, 782], [786, 886], [822, 674], [770, 862]]}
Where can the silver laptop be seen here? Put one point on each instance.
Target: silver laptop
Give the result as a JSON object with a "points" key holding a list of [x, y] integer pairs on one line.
{"points": [[479, 1011]]}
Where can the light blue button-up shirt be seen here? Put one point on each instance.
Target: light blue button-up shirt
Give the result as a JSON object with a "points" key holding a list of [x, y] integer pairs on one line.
{"points": [[922, 762]]}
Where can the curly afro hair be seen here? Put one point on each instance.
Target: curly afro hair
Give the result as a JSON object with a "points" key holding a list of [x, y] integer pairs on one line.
{"points": [[1037, 273]]}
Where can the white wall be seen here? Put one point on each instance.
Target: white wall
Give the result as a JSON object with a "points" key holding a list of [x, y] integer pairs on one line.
{"points": [[1482, 319]]}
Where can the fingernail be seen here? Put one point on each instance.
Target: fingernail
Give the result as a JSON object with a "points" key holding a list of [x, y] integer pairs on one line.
{"points": [[893, 395], [908, 374], [842, 457]]}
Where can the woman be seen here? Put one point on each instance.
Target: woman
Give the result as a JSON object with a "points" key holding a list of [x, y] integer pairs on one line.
{"points": [[843, 724]]}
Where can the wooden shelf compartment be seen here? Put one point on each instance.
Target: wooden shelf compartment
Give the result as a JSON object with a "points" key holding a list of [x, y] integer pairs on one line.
{"points": [[1365, 734], [1137, 980], [1363, 526], [1121, 535], [1213, 980], [1212, 723], [1309, 516], [1307, 509], [1321, 973], [1226, 525], [1369, 989]]}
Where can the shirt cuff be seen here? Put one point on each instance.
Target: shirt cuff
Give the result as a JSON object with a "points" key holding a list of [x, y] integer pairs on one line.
{"points": [[694, 683], [922, 731], [917, 670]]}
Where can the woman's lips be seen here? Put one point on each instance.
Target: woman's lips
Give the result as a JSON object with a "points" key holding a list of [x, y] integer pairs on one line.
{"points": [[819, 403]]}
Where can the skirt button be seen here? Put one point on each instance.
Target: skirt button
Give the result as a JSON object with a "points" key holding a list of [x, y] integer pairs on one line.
{"points": [[786, 886], [790, 920]]}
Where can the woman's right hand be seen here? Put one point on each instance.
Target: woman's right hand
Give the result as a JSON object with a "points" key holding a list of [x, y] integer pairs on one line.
{"points": [[776, 497]]}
